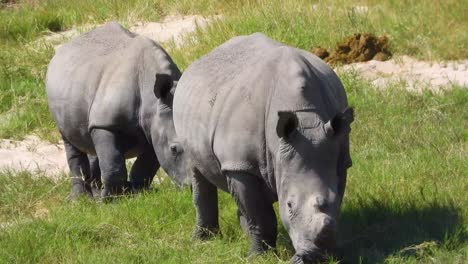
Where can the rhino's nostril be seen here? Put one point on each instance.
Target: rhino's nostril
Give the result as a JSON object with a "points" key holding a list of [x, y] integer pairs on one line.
{"points": [[175, 149]]}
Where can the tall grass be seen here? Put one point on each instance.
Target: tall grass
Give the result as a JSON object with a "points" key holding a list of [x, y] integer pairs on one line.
{"points": [[428, 31]]}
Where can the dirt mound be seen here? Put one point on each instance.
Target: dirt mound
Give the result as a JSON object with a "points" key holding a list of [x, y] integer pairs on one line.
{"points": [[359, 47]]}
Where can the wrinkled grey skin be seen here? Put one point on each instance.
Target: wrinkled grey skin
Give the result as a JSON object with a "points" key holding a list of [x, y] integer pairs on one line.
{"points": [[110, 92], [266, 122]]}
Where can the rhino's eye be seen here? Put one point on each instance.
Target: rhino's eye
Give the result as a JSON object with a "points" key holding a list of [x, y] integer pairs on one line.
{"points": [[321, 204], [290, 208]]}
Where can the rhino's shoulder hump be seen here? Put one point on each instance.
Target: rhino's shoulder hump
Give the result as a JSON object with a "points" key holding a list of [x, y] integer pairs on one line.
{"points": [[233, 58], [104, 42], [102, 39]]}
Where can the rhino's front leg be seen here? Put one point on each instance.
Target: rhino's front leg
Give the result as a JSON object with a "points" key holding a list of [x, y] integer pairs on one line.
{"points": [[205, 199], [94, 181], [143, 170], [111, 162], [256, 211], [79, 171]]}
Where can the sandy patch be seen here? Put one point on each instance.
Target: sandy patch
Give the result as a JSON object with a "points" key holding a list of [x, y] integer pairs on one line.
{"points": [[33, 154], [417, 75], [171, 28]]}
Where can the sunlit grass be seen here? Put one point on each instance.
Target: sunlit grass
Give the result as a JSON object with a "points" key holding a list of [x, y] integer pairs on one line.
{"points": [[405, 200]]}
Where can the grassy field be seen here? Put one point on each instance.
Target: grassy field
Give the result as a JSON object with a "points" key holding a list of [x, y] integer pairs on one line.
{"points": [[405, 202], [406, 198]]}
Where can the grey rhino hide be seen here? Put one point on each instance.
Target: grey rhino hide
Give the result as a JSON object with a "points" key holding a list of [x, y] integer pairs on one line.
{"points": [[266, 122], [110, 92]]}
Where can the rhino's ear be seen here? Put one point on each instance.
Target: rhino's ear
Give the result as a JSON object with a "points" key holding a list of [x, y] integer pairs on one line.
{"points": [[287, 123], [163, 85], [340, 124]]}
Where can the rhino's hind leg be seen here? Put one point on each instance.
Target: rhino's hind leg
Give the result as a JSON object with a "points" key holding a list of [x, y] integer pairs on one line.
{"points": [[205, 199], [256, 212], [79, 171], [111, 162], [143, 170], [94, 181]]}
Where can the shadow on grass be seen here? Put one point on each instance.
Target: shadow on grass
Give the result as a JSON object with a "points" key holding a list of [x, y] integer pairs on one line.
{"points": [[374, 232]]}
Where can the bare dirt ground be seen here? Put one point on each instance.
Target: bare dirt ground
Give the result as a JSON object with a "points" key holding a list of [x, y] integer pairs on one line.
{"points": [[33, 154], [417, 75], [170, 28]]}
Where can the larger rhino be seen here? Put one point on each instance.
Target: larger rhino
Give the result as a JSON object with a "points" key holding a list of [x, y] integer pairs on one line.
{"points": [[110, 92], [266, 122]]}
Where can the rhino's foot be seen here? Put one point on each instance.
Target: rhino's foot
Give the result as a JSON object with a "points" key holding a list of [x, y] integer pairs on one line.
{"points": [[96, 192], [308, 258], [260, 248], [109, 192], [79, 189], [204, 233]]}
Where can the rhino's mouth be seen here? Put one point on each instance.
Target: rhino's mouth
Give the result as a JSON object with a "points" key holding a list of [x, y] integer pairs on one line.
{"points": [[308, 257]]}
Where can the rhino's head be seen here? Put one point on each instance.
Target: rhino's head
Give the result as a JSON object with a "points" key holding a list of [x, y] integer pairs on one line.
{"points": [[168, 149], [307, 163]]}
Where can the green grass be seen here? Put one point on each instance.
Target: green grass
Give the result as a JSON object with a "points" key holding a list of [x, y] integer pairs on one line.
{"points": [[433, 31], [26, 20], [405, 202], [23, 104]]}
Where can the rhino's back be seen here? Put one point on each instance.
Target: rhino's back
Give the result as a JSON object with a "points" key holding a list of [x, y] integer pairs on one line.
{"points": [[92, 82], [219, 105], [221, 75], [222, 102]]}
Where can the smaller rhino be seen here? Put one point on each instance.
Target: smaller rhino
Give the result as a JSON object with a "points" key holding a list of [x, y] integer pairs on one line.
{"points": [[110, 93]]}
